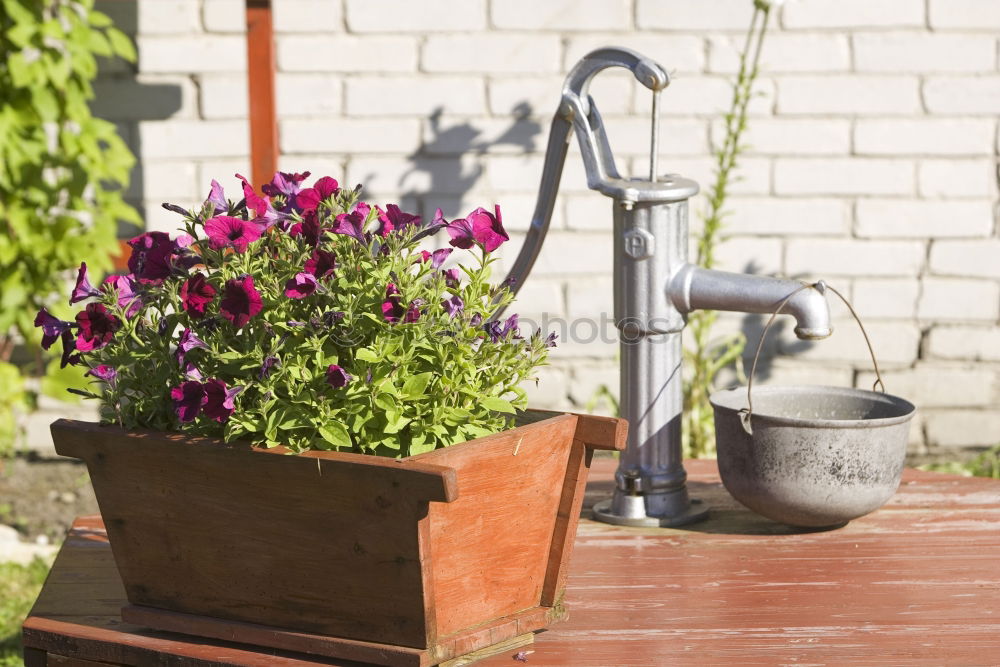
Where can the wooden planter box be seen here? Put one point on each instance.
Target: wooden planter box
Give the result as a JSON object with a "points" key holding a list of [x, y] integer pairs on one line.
{"points": [[396, 562]]}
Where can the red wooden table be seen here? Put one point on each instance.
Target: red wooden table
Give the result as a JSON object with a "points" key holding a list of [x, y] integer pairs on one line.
{"points": [[917, 582]]}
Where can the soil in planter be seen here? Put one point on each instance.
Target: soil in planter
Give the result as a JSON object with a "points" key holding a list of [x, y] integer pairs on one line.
{"points": [[41, 497]]}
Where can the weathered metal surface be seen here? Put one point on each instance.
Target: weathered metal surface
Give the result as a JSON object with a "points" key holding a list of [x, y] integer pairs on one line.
{"points": [[914, 583], [816, 456]]}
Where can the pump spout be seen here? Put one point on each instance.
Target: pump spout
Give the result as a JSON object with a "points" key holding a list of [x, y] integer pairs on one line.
{"points": [[694, 288]]}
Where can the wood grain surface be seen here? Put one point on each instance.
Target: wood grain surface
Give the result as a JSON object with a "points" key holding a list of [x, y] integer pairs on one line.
{"points": [[915, 583]]}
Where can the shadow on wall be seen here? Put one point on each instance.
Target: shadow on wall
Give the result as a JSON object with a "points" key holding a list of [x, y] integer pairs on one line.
{"points": [[449, 163], [121, 98]]}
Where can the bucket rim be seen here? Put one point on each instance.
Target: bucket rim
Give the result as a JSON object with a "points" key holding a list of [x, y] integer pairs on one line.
{"points": [[725, 400]]}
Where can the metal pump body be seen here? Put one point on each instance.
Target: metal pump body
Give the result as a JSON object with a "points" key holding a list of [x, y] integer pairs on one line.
{"points": [[654, 289]]}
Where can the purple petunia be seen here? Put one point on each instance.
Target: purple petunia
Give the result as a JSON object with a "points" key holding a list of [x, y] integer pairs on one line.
{"points": [[83, 289], [454, 306], [309, 229], [125, 288], [337, 377], [151, 257], [392, 307], [240, 301], [217, 198], [104, 373], [301, 286], [436, 258], [265, 368], [462, 234], [52, 327], [188, 399], [451, 278], [413, 311], [353, 224], [478, 228], [321, 263], [188, 341], [196, 294], [261, 206], [96, 327], [228, 232], [394, 219], [219, 400]]}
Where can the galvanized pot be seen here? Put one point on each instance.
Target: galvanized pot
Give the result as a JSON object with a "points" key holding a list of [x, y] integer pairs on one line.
{"points": [[811, 456], [817, 456]]}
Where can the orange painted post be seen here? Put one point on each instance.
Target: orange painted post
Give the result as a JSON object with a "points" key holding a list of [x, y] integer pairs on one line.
{"points": [[260, 83]]}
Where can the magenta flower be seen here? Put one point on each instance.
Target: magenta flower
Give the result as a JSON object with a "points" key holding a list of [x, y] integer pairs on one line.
{"points": [[395, 219], [228, 232], [462, 234], [217, 198], [321, 264], [151, 256], [265, 368], [436, 258], [301, 286], [52, 327], [196, 294], [83, 289], [219, 400], [240, 301], [191, 371], [488, 228], [454, 306], [125, 288], [392, 307], [96, 327], [187, 342], [337, 377], [353, 224], [188, 399], [309, 229], [451, 277], [261, 206], [309, 199], [104, 373], [413, 312], [69, 356]]}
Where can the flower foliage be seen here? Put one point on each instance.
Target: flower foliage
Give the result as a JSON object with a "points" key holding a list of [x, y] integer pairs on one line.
{"points": [[300, 316]]}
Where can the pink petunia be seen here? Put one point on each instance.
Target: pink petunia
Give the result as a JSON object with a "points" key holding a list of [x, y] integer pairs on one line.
{"points": [[321, 263], [301, 286], [196, 294], [219, 400], [240, 301], [83, 289], [227, 232], [96, 327]]}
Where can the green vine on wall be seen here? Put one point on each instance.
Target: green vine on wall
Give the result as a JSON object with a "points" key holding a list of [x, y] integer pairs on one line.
{"points": [[62, 176], [707, 355]]}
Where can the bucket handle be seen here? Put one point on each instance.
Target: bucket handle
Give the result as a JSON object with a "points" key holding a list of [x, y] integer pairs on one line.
{"points": [[821, 287]]}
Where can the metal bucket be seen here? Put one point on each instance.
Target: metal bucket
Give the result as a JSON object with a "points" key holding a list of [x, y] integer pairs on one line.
{"points": [[817, 456], [811, 456]]}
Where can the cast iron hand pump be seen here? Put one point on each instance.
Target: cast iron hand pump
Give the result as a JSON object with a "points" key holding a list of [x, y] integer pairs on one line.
{"points": [[654, 289]]}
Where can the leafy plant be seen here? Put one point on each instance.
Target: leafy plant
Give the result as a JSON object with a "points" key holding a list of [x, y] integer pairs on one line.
{"points": [[708, 355], [19, 586], [986, 464], [61, 171], [304, 317]]}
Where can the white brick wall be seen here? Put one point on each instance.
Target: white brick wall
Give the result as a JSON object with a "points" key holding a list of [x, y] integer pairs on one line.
{"points": [[871, 153]]}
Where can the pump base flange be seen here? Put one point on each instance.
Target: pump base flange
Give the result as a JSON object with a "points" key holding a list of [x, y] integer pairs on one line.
{"points": [[691, 514]]}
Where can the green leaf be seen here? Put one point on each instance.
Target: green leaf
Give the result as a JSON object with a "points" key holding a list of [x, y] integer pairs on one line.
{"points": [[121, 44], [364, 354], [334, 433], [415, 386], [497, 405]]}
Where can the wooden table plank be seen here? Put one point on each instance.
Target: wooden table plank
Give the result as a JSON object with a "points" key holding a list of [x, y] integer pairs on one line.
{"points": [[916, 582]]}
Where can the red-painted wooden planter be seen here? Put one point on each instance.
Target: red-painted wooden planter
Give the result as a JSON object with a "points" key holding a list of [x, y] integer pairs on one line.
{"points": [[397, 562]]}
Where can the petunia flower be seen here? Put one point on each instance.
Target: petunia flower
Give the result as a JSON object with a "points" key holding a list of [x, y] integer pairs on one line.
{"points": [[337, 377], [451, 277], [265, 368], [309, 199], [453, 306], [240, 301], [151, 257], [352, 224], [219, 400], [52, 327], [69, 355], [413, 311], [188, 397], [321, 263], [394, 219], [104, 373], [309, 229], [462, 234], [301, 286], [436, 258], [392, 307], [196, 294], [188, 341], [125, 288], [487, 228], [83, 289], [217, 198], [550, 340], [191, 371], [264, 212], [96, 326], [227, 232], [437, 224]]}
